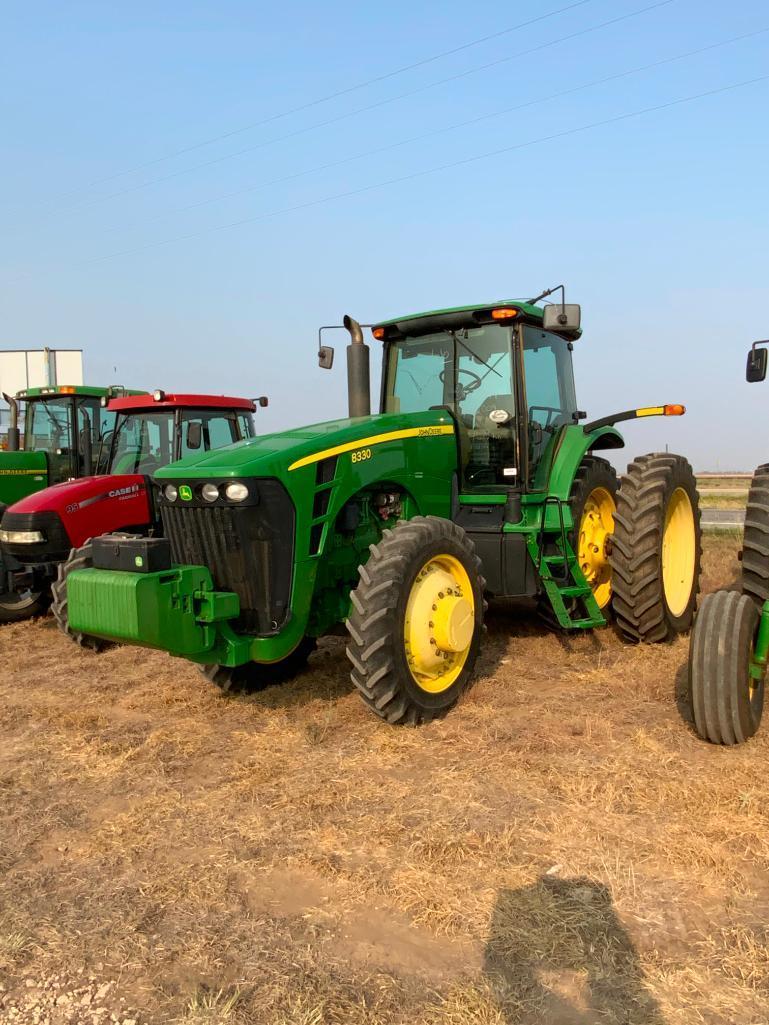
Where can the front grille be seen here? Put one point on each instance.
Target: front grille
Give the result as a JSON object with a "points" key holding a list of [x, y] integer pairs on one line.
{"points": [[248, 549]]}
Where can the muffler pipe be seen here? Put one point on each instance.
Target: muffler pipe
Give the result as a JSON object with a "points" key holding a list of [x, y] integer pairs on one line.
{"points": [[14, 438], [358, 377]]}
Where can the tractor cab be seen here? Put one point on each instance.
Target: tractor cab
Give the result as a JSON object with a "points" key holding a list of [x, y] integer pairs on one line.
{"points": [[506, 379], [156, 430]]}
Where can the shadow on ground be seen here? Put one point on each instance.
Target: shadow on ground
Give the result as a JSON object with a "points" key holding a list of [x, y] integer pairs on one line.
{"points": [[557, 954]]}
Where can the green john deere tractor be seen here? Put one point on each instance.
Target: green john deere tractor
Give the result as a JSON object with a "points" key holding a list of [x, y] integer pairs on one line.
{"points": [[476, 478], [729, 646], [62, 429]]}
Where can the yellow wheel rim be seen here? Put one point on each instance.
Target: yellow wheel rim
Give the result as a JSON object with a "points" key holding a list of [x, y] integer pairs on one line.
{"points": [[440, 623], [678, 552], [595, 530]]}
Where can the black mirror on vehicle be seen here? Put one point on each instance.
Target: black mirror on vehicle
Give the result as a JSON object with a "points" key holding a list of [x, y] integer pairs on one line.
{"points": [[194, 434], [326, 357], [562, 317], [262, 401], [757, 360]]}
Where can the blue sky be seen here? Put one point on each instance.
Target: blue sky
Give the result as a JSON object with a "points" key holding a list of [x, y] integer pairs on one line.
{"points": [[658, 223]]}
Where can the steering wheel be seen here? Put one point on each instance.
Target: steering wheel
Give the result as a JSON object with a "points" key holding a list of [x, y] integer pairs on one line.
{"points": [[464, 389]]}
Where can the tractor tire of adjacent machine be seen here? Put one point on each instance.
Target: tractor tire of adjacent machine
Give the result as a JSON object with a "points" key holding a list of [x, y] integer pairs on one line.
{"points": [[755, 545], [16, 606], [656, 549], [416, 620], [727, 702], [79, 558], [255, 676], [593, 500]]}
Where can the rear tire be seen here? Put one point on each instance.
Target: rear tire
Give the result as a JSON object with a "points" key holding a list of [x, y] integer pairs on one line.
{"points": [[416, 620], [255, 676], [755, 545], [727, 709], [79, 558], [656, 549]]}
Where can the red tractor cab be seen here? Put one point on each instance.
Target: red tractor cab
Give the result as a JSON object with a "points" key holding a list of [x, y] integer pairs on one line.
{"points": [[38, 533]]}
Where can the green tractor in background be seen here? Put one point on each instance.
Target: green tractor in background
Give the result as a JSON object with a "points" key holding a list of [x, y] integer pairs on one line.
{"points": [[475, 479], [63, 429], [729, 646]]}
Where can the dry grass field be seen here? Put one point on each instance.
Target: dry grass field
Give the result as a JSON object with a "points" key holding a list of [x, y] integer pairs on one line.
{"points": [[561, 849]]}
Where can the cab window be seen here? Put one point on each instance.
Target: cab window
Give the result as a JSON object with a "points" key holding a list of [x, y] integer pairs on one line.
{"points": [[416, 379], [202, 431], [550, 395]]}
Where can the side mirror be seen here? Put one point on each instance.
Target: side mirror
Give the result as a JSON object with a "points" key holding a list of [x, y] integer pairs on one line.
{"points": [[562, 317], [194, 434], [757, 360], [326, 357], [262, 401]]}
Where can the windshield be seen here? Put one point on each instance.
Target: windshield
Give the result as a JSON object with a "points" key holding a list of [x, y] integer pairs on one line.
{"points": [[146, 441], [470, 370], [422, 370], [143, 442], [48, 424]]}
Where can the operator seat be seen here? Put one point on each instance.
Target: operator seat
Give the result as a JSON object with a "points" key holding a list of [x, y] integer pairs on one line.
{"points": [[492, 447]]}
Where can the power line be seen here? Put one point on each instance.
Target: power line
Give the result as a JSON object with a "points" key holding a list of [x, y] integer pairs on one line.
{"points": [[341, 92], [431, 170], [460, 124], [372, 106]]}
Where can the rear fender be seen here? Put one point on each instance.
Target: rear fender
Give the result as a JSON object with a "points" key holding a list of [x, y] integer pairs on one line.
{"points": [[575, 445]]}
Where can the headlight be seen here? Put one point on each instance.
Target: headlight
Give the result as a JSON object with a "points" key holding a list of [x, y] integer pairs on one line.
{"points": [[171, 492], [236, 492], [22, 537], [210, 492]]}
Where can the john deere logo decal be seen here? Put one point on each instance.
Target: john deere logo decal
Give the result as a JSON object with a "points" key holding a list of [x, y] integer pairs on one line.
{"points": [[185, 493]]}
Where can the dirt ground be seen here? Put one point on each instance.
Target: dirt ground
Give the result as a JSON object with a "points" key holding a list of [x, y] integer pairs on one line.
{"points": [[560, 849]]}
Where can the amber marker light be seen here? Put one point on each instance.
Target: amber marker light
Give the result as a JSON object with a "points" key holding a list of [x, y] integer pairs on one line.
{"points": [[378, 333], [67, 390], [676, 409], [504, 313]]}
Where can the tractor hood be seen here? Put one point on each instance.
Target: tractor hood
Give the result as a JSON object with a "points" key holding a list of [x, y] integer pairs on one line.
{"points": [[21, 473], [78, 493], [274, 455]]}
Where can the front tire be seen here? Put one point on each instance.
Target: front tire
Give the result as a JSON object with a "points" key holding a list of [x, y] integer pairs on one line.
{"points": [[17, 606], [416, 620], [727, 702], [79, 558], [255, 676], [656, 549]]}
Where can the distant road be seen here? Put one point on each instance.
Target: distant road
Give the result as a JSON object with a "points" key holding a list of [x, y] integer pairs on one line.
{"points": [[723, 517]]}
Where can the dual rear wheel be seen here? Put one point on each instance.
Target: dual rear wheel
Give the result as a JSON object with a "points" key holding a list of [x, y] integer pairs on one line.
{"points": [[726, 683]]}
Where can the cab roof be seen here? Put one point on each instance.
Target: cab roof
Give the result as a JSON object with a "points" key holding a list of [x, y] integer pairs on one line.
{"points": [[463, 316], [173, 400], [76, 389]]}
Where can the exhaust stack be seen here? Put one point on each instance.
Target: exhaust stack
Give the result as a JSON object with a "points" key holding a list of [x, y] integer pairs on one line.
{"points": [[14, 438], [358, 378]]}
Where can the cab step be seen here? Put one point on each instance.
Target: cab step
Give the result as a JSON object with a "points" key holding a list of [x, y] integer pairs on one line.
{"points": [[568, 583]]}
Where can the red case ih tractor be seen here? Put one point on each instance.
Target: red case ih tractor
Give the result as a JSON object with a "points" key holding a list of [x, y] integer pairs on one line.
{"points": [[38, 533]]}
